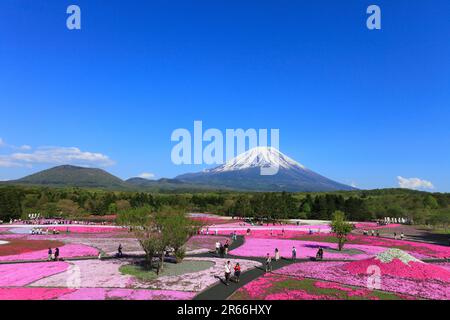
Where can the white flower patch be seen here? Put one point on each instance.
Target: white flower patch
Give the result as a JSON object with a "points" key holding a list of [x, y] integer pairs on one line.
{"points": [[391, 254]]}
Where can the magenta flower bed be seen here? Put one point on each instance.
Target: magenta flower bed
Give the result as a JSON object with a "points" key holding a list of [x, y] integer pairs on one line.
{"points": [[418, 249], [85, 229], [126, 294], [32, 293], [266, 288], [67, 251], [26, 273], [256, 247], [397, 268], [335, 271], [444, 265]]}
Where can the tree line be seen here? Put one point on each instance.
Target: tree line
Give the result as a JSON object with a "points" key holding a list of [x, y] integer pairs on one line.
{"points": [[434, 208]]}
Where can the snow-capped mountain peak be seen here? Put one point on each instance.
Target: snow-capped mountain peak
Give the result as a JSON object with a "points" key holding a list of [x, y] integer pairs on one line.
{"points": [[259, 157]]}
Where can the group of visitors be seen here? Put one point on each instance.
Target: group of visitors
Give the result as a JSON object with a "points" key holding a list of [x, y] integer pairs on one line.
{"points": [[229, 269], [44, 221], [372, 233], [222, 249], [40, 231], [282, 232], [402, 236], [53, 256]]}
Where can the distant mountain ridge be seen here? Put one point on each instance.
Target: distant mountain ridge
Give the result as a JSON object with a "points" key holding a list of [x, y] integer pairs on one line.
{"points": [[242, 173], [82, 177]]}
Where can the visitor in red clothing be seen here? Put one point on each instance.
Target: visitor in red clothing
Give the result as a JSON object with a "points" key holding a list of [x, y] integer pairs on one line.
{"points": [[237, 271]]}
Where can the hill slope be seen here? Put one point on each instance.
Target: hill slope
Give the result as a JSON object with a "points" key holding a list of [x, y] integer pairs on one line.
{"points": [[73, 176]]}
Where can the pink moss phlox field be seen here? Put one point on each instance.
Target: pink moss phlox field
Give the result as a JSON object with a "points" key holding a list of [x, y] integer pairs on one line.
{"points": [[420, 250], [8, 236], [397, 268], [205, 242], [26, 273], [32, 293], [261, 289], [93, 273], [374, 226], [67, 251], [336, 272], [126, 294], [256, 247], [285, 231], [86, 229], [444, 265]]}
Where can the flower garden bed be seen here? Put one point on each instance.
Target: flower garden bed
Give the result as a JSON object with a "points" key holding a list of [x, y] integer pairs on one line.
{"points": [[170, 269], [259, 247], [282, 287], [126, 294], [205, 243], [33, 293], [280, 232], [25, 273], [418, 249], [412, 278], [66, 251], [375, 226], [21, 246]]}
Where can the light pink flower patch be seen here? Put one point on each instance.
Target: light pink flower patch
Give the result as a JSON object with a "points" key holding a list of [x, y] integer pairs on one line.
{"points": [[285, 231], [126, 294], [32, 293], [67, 251], [92, 273], [255, 247], [26, 273]]}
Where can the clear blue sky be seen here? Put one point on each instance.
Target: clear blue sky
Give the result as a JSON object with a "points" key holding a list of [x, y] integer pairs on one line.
{"points": [[355, 105]]}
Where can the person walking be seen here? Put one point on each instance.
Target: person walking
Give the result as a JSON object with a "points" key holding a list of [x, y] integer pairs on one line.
{"points": [[226, 247], [277, 254], [50, 254], [294, 253], [237, 271], [227, 272], [56, 254], [119, 251], [268, 263], [217, 247]]}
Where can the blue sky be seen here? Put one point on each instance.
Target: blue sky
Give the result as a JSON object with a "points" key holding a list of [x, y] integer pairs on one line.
{"points": [[355, 105]]}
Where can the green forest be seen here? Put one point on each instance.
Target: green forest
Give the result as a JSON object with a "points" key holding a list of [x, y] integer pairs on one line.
{"points": [[361, 205]]}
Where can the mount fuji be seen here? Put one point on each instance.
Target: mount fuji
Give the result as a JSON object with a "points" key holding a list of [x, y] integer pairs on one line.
{"points": [[244, 173]]}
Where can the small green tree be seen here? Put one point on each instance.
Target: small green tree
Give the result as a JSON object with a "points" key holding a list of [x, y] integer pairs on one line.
{"points": [[158, 231], [341, 228]]}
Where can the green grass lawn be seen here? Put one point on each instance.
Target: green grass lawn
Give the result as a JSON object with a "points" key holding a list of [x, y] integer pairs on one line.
{"points": [[170, 269]]}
